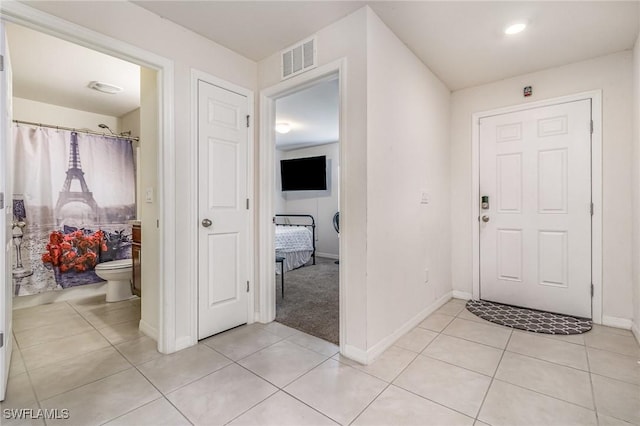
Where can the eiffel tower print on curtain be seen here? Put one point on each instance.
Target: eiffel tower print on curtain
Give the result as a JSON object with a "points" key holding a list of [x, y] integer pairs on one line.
{"points": [[66, 195]]}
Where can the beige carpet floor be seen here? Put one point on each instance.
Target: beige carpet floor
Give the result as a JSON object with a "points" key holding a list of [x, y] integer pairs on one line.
{"points": [[311, 299]]}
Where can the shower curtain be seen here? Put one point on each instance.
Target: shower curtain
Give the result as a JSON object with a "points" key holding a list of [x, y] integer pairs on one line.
{"points": [[74, 194]]}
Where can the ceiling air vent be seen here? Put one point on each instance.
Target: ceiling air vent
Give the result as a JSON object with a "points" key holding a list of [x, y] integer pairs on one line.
{"points": [[298, 58]]}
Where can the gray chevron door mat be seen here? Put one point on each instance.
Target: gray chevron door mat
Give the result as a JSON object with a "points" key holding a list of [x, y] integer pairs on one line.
{"points": [[528, 319]]}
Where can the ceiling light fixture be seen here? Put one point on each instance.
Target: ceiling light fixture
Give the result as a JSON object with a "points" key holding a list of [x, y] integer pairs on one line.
{"points": [[100, 86], [515, 28], [283, 128]]}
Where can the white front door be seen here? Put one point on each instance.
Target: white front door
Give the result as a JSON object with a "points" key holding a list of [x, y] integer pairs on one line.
{"points": [[6, 216], [535, 235], [223, 210]]}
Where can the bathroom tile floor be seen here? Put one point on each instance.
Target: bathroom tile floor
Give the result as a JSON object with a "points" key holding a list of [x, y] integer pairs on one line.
{"points": [[453, 369]]}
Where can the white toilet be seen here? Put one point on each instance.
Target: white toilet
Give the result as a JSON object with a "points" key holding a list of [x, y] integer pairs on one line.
{"points": [[118, 274]]}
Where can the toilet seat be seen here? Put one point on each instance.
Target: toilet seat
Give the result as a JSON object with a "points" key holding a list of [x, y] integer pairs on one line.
{"points": [[115, 264]]}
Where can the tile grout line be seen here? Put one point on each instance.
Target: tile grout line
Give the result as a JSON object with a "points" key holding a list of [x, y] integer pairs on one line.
{"points": [[423, 397], [388, 384], [112, 345], [593, 393], [391, 382], [153, 385], [493, 378], [280, 389]]}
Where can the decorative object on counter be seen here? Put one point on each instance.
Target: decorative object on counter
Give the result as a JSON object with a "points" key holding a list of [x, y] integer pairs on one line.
{"points": [[18, 225]]}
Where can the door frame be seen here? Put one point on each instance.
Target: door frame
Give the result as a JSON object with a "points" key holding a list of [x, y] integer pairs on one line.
{"points": [[6, 212], [596, 187], [24, 15], [194, 218], [266, 251]]}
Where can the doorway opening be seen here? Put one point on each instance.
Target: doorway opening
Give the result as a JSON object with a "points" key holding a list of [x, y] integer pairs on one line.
{"points": [[270, 170], [537, 254], [101, 151], [307, 208]]}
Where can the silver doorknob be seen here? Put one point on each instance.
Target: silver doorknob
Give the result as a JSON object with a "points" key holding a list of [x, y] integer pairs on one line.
{"points": [[206, 223], [485, 219]]}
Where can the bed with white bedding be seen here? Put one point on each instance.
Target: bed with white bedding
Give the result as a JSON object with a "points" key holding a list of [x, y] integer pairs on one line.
{"points": [[295, 240]]}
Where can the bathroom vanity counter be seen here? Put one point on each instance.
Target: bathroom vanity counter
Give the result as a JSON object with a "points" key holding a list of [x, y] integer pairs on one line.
{"points": [[136, 253]]}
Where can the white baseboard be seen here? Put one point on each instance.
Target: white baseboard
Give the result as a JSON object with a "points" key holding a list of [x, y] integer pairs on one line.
{"points": [[148, 330], [328, 255], [376, 350], [635, 329], [355, 354], [617, 322], [462, 295]]}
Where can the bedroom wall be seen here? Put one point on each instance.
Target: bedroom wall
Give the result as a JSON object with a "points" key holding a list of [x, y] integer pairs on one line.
{"points": [[612, 74], [187, 50], [346, 38], [407, 153], [635, 186], [321, 204]]}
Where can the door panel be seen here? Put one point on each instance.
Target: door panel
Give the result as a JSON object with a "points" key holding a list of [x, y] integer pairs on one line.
{"points": [[223, 246], [535, 248]]}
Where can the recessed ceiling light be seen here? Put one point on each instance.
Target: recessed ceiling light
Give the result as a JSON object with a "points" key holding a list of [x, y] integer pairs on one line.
{"points": [[515, 28], [100, 86], [283, 128]]}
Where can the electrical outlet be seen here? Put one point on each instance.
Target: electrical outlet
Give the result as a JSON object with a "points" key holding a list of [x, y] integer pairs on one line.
{"points": [[426, 275]]}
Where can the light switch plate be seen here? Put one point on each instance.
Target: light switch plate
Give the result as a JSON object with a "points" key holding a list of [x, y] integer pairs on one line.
{"points": [[148, 196], [424, 199]]}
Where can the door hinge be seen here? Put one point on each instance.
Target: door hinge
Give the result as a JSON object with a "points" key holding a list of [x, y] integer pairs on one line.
{"points": [[1, 340], [273, 219], [1, 62], [591, 289], [591, 126], [247, 286], [247, 204], [248, 120], [1, 200], [591, 209]]}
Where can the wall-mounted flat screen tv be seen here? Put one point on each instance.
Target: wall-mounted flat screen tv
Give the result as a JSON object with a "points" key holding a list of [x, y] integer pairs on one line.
{"points": [[304, 174]]}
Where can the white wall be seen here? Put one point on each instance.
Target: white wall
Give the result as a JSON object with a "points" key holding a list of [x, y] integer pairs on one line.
{"points": [[187, 50], [407, 153], [635, 186], [345, 38], [40, 112], [131, 122], [612, 74], [322, 205], [149, 212]]}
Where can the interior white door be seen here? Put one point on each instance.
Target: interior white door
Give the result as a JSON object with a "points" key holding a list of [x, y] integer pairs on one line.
{"points": [[6, 216], [223, 211], [535, 237]]}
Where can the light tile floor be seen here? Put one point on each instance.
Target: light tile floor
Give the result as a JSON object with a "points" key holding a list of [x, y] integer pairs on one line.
{"points": [[453, 369]]}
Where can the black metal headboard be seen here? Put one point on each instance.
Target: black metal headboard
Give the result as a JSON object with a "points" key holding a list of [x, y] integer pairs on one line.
{"points": [[311, 225]]}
